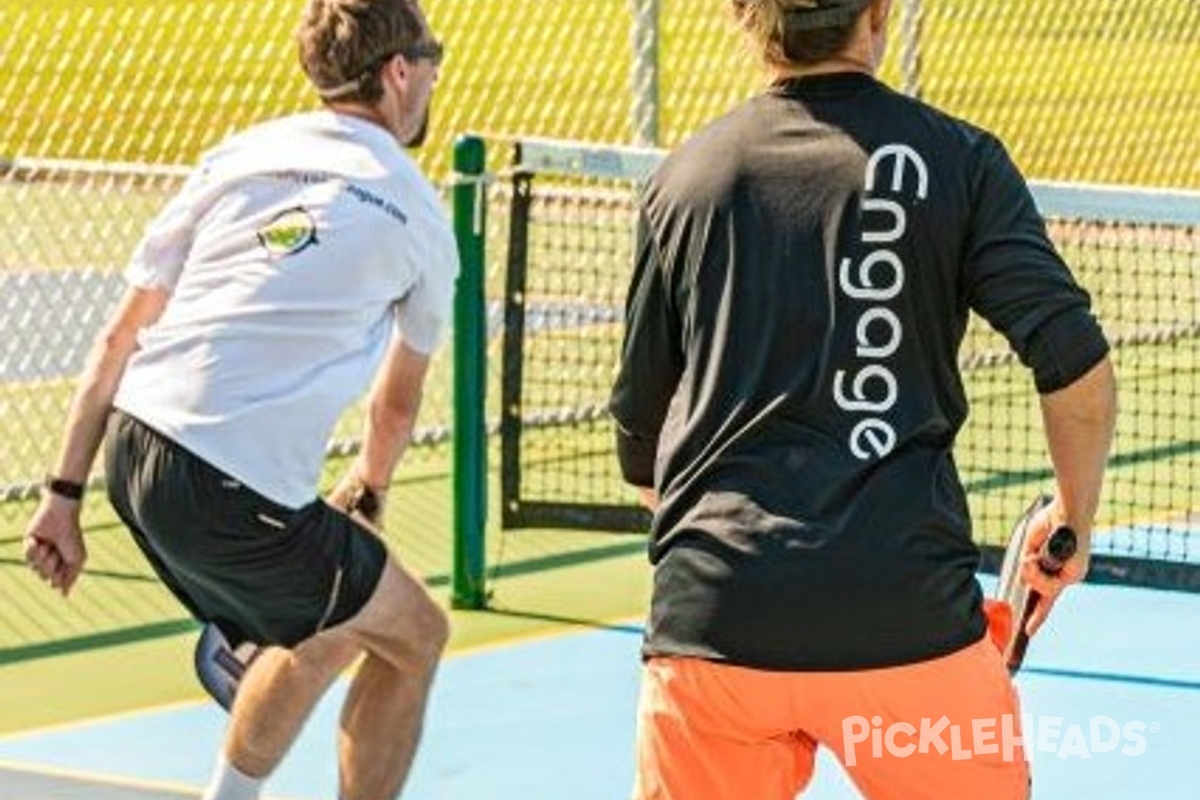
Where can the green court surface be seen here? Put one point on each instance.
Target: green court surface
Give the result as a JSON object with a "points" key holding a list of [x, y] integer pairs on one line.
{"points": [[120, 643], [111, 679]]}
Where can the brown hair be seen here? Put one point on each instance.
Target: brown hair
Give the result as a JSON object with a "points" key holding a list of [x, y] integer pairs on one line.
{"points": [[785, 38], [344, 43]]}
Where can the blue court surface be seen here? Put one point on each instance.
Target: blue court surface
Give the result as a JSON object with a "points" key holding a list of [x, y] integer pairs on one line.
{"points": [[1111, 693]]}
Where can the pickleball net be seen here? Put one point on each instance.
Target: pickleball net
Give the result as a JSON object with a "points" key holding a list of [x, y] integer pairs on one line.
{"points": [[560, 237]]}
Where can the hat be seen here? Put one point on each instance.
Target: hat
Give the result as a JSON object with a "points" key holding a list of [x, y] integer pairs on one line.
{"points": [[812, 14]]}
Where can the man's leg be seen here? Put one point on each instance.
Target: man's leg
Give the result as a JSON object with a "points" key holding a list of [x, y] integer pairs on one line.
{"points": [[220, 546], [402, 632], [275, 698]]}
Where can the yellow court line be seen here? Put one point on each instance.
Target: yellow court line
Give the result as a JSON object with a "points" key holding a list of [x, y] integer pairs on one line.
{"points": [[117, 716]]}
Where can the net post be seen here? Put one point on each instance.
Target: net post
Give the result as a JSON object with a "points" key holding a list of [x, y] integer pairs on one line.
{"points": [[468, 589], [512, 355]]}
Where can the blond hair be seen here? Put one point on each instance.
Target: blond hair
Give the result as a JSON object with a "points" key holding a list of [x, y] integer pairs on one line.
{"points": [[343, 44], [778, 31]]}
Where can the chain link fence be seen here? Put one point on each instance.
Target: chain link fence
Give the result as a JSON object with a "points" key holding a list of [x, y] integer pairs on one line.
{"points": [[107, 102]]}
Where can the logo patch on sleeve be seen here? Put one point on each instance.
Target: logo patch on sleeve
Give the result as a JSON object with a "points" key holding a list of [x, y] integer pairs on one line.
{"points": [[289, 232]]}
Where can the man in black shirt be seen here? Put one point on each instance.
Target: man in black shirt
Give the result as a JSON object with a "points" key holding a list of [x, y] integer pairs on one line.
{"points": [[787, 402]]}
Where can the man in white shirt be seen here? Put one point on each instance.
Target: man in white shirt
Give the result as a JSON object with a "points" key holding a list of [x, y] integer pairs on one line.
{"points": [[305, 259]]}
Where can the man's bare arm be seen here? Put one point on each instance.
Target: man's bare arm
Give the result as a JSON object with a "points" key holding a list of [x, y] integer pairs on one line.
{"points": [[392, 406], [1079, 423], [54, 546]]}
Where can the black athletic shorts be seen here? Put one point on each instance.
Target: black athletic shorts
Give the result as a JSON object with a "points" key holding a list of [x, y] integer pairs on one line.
{"points": [[260, 571]]}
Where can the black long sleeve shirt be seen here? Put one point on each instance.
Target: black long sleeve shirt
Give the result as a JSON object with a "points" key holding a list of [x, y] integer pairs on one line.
{"points": [[789, 378]]}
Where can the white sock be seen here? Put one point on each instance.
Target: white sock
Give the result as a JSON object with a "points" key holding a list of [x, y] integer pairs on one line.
{"points": [[229, 783]]}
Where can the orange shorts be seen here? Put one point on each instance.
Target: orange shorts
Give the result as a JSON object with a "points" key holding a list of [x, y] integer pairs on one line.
{"points": [[945, 728]]}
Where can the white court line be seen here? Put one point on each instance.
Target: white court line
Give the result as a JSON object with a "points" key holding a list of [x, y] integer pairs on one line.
{"points": [[112, 780]]}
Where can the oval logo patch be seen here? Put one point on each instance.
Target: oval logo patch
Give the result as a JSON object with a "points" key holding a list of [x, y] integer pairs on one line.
{"points": [[289, 232]]}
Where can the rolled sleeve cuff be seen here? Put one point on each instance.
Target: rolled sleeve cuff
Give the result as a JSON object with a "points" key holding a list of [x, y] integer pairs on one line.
{"points": [[636, 455], [1064, 350]]}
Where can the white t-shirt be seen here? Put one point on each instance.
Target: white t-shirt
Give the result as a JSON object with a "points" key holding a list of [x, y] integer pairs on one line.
{"points": [[292, 253]]}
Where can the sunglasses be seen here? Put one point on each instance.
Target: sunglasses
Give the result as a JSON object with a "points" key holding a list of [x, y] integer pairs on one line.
{"points": [[430, 50]]}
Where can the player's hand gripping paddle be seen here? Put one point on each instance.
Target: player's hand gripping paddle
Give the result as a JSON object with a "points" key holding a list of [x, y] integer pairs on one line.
{"points": [[220, 666], [1056, 551]]}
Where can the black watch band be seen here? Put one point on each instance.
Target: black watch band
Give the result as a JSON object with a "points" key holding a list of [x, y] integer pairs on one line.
{"points": [[64, 488], [368, 502]]}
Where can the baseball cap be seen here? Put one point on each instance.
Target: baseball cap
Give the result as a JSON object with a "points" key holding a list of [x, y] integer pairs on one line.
{"points": [[812, 14]]}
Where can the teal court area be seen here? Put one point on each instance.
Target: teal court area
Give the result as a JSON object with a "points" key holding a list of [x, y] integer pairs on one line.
{"points": [[1111, 693]]}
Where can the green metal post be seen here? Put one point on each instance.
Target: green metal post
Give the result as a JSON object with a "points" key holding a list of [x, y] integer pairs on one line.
{"points": [[468, 588]]}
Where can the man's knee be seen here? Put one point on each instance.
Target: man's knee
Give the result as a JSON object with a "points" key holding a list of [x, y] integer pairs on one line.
{"points": [[429, 629], [324, 654], [402, 624]]}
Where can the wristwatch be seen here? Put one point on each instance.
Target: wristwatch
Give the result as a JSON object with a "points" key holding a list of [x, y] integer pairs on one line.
{"points": [[367, 501], [63, 488]]}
